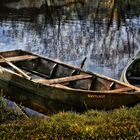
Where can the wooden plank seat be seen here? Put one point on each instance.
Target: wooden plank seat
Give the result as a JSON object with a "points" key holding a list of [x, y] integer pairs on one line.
{"points": [[18, 58], [125, 89], [63, 79]]}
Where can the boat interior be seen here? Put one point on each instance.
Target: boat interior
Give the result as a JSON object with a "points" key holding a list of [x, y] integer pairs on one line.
{"points": [[46, 71], [133, 73]]}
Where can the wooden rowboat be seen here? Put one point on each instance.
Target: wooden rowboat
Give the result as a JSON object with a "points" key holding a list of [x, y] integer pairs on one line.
{"points": [[49, 86], [131, 73]]}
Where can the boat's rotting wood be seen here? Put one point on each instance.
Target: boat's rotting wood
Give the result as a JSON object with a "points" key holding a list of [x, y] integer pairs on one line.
{"points": [[19, 58], [44, 66], [38, 95], [63, 79]]}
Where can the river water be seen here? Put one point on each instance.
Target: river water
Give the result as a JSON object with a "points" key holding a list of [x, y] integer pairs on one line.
{"points": [[108, 35]]}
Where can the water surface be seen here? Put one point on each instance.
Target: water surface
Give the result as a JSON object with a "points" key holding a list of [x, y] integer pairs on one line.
{"points": [[106, 32]]}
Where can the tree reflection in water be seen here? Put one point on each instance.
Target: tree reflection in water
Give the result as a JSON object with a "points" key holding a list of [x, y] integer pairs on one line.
{"points": [[105, 31]]}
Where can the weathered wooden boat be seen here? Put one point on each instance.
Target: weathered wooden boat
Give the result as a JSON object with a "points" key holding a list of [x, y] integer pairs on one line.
{"points": [[49, 86], [131, 73]]}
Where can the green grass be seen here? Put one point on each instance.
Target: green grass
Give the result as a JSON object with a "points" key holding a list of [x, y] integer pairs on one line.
{"points": [[123, 123]]}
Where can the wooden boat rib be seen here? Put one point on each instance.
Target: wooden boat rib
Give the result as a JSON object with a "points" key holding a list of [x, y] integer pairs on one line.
{"points": [[57, 86], [131, 73]]}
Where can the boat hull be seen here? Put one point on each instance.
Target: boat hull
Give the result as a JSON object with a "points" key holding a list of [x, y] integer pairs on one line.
{"points": [[131, 73], [49, 98]]}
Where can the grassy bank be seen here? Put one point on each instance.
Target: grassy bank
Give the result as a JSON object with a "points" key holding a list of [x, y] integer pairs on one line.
{"points": [[123, 123], [9, 114]]}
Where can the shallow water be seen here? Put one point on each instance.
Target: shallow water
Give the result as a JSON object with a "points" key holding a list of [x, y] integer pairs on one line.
{"points": [[107, 37]]}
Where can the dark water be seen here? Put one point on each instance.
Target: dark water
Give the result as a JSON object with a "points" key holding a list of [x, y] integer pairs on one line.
{"points": [[106, 32]]}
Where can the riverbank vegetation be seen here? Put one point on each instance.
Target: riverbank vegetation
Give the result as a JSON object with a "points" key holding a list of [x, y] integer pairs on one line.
{"points": [[123, 123]]}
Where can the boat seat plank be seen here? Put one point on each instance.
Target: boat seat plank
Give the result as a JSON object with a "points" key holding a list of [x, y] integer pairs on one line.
{"points": [[63, 79], [122, 89], [19, 58]]}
